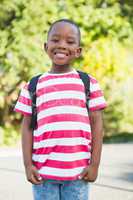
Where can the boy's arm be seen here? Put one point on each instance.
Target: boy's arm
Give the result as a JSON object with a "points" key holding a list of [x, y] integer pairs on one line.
{"points": [[90, 173], [27, 143], [96, 122]]}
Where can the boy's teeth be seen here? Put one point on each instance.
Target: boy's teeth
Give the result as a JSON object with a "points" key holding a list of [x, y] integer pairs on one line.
{"points": [[61, 55]]}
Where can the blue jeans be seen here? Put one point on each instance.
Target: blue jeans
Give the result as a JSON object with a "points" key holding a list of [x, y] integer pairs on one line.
{"points": [[61, 190]]}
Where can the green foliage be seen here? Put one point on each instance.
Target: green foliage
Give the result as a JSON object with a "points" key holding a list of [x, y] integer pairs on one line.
{"points": [[9, 135], [108, 60], [107, 33]]}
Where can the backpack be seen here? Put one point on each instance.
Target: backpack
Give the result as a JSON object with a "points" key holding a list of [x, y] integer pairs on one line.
{"points": [[32, 90]]}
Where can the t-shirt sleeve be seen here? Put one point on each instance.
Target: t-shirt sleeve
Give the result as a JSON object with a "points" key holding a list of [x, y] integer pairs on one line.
{"points": [[23, 104], [97, 100]]}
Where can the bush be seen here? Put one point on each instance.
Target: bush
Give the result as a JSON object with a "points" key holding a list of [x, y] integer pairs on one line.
{"points": [[106, 27]]}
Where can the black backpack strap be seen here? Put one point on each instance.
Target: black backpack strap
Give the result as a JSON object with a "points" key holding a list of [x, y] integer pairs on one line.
{"points": [[86, 80], [32, 91]]}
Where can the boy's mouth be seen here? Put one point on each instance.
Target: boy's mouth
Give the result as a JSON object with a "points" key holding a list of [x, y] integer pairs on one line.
{"points": [[60, 54]]}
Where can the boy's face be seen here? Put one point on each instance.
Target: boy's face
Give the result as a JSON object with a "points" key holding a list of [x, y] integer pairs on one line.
{"points": [[63, 44]]}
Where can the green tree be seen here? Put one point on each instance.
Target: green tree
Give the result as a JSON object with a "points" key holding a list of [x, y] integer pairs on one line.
{"points": [[107, 31]]}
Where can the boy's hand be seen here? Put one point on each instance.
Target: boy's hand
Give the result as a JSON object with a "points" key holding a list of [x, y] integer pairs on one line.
{"points": [[90, 173], [32, 175]]}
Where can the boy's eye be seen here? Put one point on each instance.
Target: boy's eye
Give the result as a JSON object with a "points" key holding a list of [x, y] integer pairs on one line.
{"points": [[70, 42], [54, 40]]}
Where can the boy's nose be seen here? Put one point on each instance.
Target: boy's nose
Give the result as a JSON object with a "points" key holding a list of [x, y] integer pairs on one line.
{"points": [[62, 45]]}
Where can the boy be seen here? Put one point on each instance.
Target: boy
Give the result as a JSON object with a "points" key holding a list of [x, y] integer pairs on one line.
{"points": [[63, 153]]}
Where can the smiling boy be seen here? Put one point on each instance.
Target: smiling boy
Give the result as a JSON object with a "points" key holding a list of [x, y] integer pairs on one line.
{"points": [[63, 153], [63, 46]]}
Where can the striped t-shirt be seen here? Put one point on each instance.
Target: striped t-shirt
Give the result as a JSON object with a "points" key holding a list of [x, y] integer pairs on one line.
{"points": [[62, 139]]}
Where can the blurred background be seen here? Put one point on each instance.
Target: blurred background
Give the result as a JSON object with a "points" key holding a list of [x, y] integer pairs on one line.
{"points": [[107, 41]]}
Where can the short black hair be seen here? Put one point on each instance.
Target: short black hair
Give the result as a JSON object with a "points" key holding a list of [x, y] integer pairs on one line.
{"points": [[67, 21]]}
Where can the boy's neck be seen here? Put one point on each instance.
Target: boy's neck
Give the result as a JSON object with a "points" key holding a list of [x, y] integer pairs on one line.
{"points": [[60, 69]]}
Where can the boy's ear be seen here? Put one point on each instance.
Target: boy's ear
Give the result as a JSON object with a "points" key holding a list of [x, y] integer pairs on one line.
{"points": [[78, 52], [45, 46]]}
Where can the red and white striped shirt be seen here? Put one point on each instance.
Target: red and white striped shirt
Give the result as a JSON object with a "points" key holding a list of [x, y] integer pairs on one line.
{"points": [[62, 140]]}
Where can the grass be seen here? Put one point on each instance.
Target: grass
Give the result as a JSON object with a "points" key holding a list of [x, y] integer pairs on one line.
{"points": [[13, 139], [119, 138]]}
